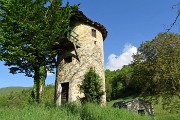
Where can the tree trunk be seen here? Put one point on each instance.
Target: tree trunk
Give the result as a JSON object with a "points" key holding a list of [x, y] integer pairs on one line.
{"points": [[39, 82], [43, 75], [57, 92]]}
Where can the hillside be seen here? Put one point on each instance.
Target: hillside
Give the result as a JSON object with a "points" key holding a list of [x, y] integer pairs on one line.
{"points": [[8, 90], [18, 106], [19, 100]]}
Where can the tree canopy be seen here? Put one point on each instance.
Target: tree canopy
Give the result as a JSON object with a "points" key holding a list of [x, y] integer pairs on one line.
{"points": [[156, 67], [119, 83], [29, 31]]}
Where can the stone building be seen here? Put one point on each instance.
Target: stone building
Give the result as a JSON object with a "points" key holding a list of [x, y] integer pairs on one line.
{"points": [[80, 50], [139, 106]]}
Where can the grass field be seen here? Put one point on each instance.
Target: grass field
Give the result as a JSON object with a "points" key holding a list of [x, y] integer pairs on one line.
{"points": [[68, 112], [16, 106]]}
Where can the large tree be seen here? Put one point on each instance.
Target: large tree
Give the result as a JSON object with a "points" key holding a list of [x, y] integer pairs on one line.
{"points": [[29, 31], [157, 66]]}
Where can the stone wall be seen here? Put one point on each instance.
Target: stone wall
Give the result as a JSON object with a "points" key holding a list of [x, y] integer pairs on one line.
{"points": [[139, 106], [90, 54]]}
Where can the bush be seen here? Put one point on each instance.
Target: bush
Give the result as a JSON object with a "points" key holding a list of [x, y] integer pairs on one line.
{"points": [[23, 98], [91, 87]]}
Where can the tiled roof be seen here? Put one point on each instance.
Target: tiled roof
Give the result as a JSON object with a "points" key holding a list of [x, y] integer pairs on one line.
{"points": [[79, 16]]}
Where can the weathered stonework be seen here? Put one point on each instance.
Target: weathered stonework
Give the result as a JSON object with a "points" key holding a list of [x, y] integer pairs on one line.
{"points": [[89, 54], [139, 106]]}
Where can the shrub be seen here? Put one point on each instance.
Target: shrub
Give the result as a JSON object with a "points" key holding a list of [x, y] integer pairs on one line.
{"points": [[91, 87]]}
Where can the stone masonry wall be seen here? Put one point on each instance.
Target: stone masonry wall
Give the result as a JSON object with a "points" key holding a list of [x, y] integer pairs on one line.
{"points": [[90, 54]]}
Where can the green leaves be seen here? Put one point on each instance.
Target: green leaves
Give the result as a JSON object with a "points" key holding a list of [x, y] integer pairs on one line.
{"points": [[119, 82], [91, 87], [157, 66], [29, 31]]}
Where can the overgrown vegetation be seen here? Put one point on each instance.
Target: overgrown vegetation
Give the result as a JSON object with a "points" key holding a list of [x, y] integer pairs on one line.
{"points": [[156, 69], [119, 83], [18, 106], [30, 34], [68, 112], [23, 98], [160, 112], [91, 87], [154, 73]]}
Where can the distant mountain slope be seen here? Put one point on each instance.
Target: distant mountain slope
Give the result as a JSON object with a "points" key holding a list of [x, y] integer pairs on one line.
{"points": [[8, 90]]}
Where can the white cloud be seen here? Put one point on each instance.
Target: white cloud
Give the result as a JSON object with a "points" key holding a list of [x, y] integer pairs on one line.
{"points": [[117, 62], [49, 74]]}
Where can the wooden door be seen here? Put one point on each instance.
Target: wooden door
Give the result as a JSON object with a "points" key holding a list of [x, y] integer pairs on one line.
{"points": [[65, 92]]}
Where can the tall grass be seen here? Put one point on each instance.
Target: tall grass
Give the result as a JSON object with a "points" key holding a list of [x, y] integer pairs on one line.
{"points": [[17, 106], [95, 112], [160, 113], [36, 112], [68, 112]]}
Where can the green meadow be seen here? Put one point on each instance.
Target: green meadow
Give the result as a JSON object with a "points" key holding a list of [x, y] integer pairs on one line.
{"points": [[18, 106]]}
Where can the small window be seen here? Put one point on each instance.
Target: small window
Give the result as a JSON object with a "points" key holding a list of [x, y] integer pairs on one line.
{"points": [[68, 59], [94, 33], [95, 42], [141, 112]]}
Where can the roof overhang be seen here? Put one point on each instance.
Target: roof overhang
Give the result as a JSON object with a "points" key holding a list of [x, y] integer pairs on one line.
{"points": [[79, 16]]}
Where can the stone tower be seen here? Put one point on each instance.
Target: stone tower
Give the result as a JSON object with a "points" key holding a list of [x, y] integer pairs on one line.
{"points": [[82, 49]]}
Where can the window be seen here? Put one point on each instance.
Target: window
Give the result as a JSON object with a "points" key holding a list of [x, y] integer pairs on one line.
{"points": [[93, 33], [141, 112], [95, 42], [68, 59]]}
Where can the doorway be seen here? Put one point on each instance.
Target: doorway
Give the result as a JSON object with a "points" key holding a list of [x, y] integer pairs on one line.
{"points": [[65, 92]]}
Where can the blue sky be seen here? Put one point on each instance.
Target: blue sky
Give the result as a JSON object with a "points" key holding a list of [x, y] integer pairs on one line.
{"points": [[129, 23]]}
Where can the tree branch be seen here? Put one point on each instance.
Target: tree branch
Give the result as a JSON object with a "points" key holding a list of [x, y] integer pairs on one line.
{"points": [[174, 22], [175, 18]]}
